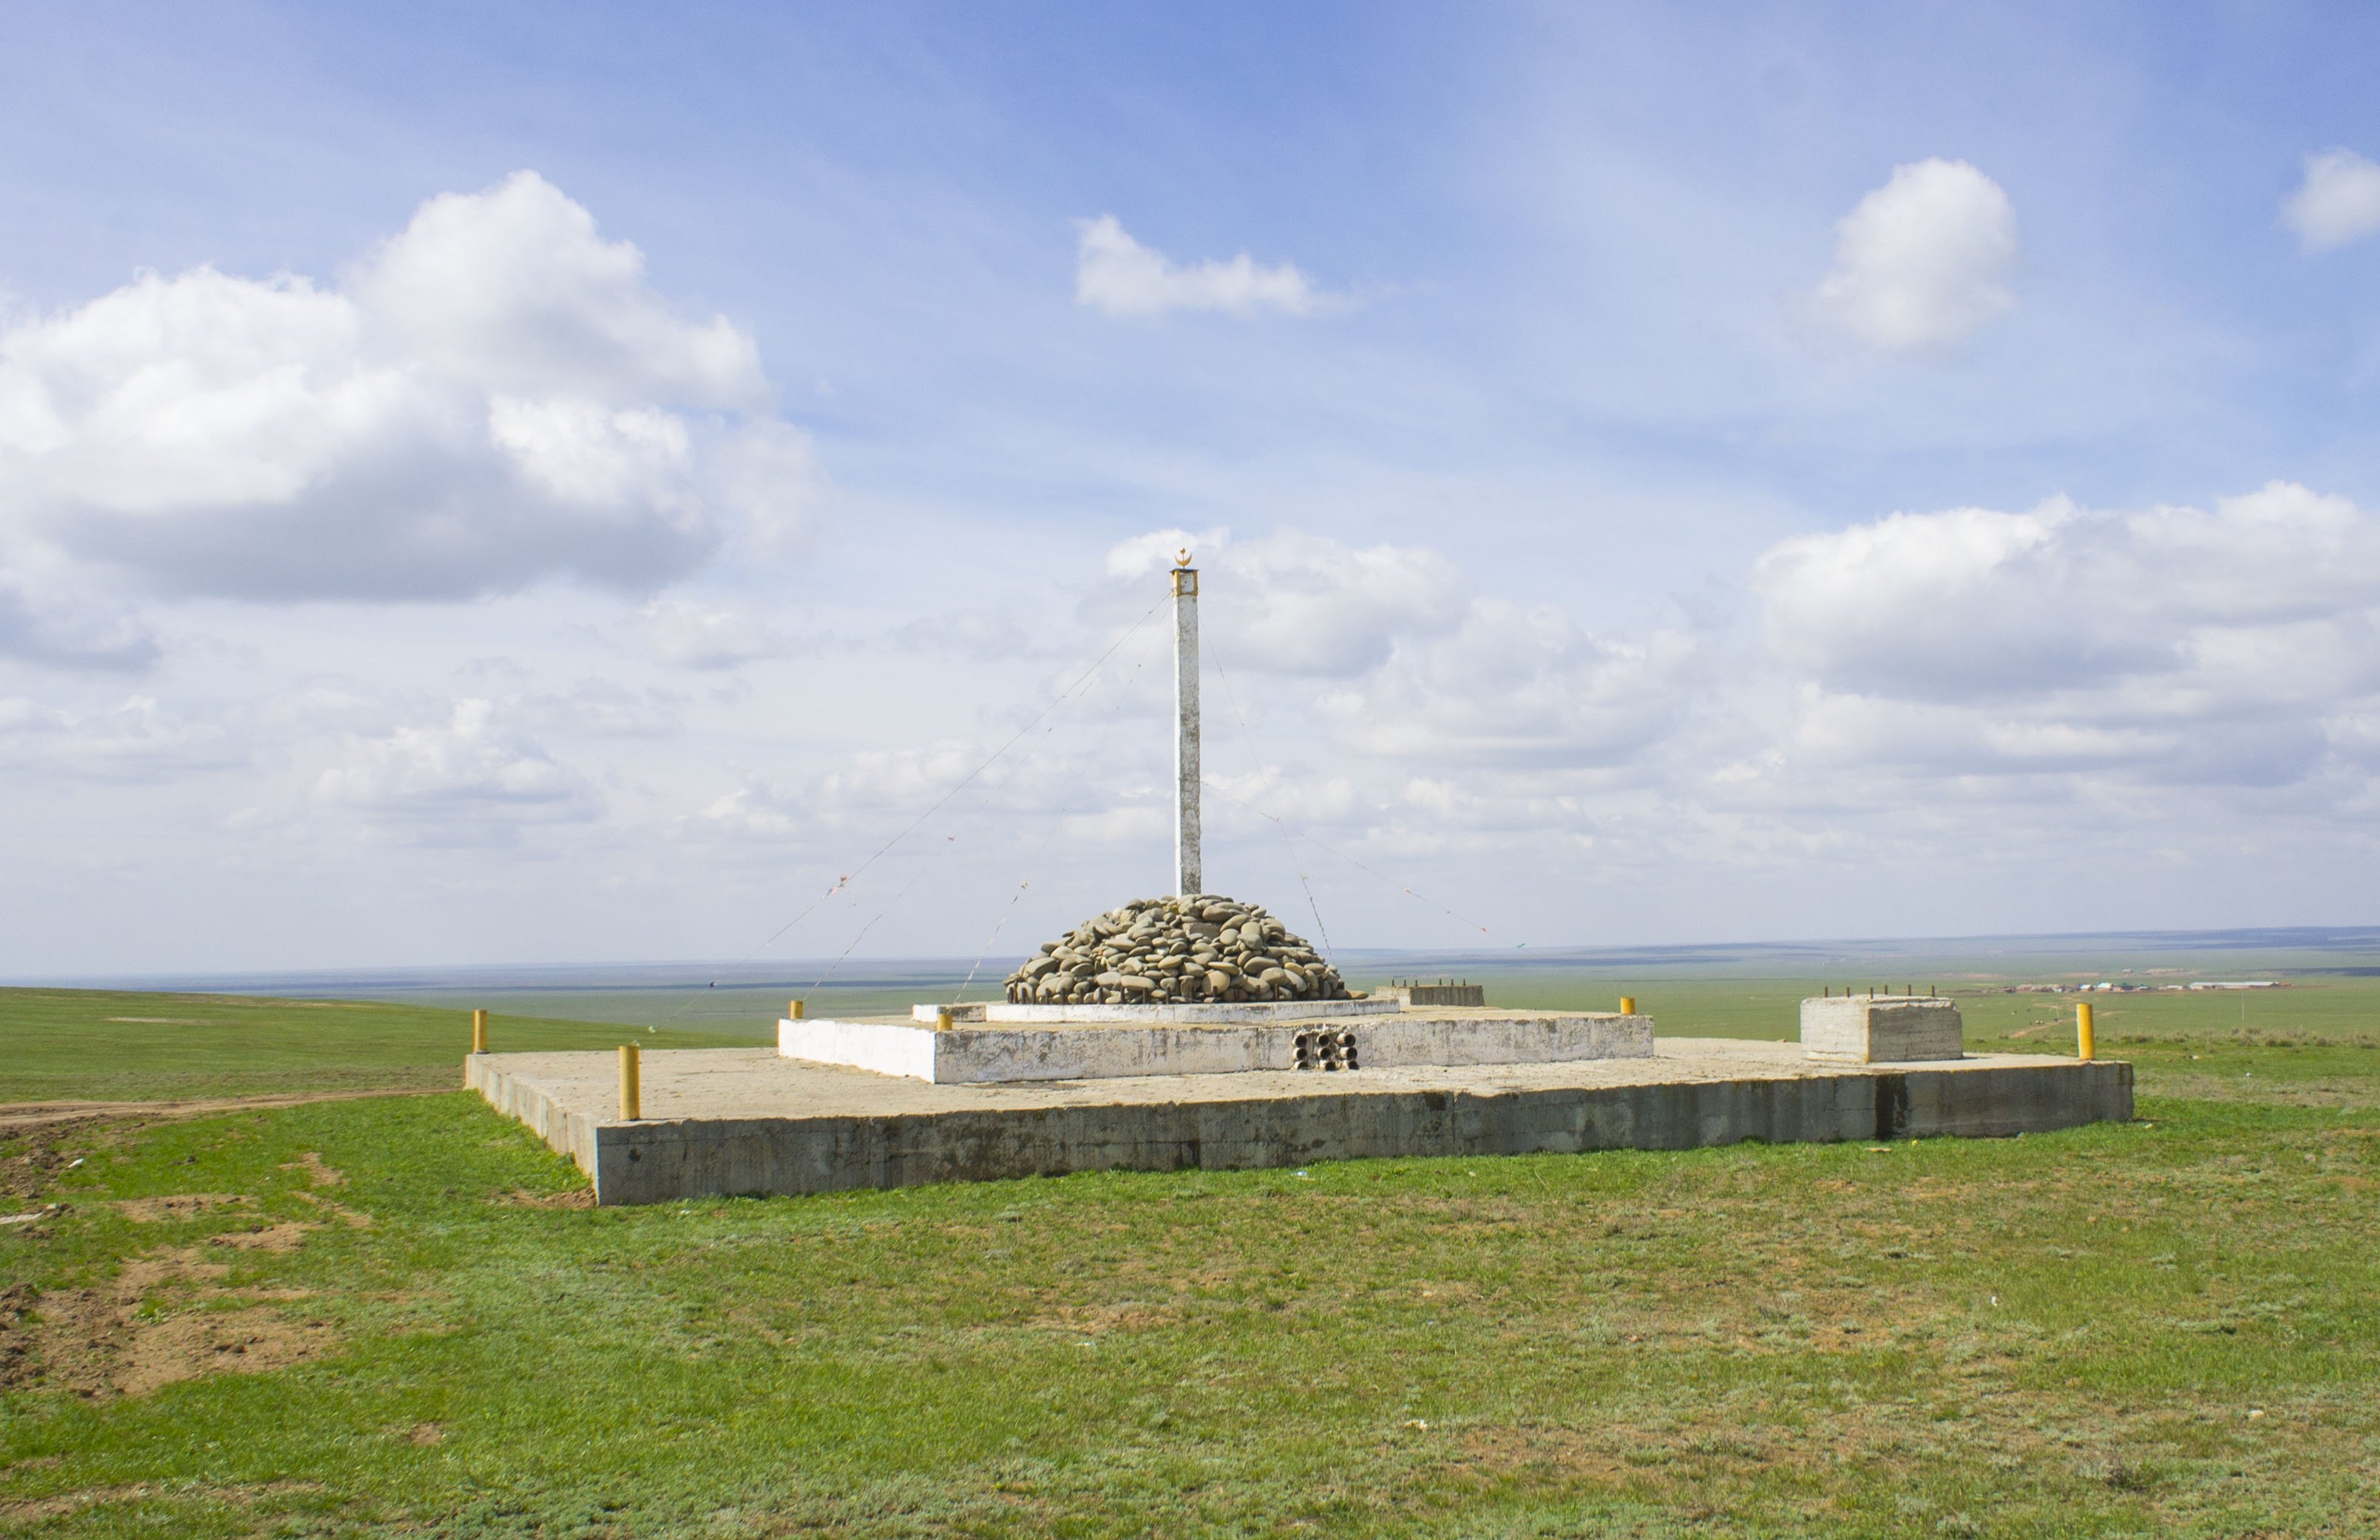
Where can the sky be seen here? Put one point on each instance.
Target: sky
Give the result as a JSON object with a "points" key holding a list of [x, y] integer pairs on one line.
{"points": [[583, 483]]}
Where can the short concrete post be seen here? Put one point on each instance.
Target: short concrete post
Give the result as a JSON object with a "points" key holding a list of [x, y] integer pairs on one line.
{"points": [[941, 1018], [631, 1086], [2083, 1047], [479, 1032], [794, 1008], [1627, 1005]]}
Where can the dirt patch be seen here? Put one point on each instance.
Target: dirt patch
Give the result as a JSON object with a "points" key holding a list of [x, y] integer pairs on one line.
{"points": [[426, 1433], [352, 1218], [1091, 1320], [29, 1173], [289, 1235], [178, 1205], [318, 1175], [52, 1115], [573, 1197], [160, 1320], [34, 1510], [243, 1341]]}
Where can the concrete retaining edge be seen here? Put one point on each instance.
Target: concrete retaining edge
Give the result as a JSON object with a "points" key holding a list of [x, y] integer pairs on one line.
{"points": [[666, 1160]]}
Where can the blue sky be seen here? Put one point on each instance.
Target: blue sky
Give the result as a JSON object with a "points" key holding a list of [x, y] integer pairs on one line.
{"points": [[1575, 386]]}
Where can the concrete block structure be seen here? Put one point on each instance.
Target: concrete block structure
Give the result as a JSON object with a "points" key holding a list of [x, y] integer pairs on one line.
{"points": [[1439, 993], [1881, 1029], [1208, 1039], [727, 1122]]}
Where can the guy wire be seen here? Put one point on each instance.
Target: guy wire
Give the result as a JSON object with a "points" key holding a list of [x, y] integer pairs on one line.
{"points": [[1256, 763], [852, 875], [923, 867], [1033, 862], [1463, 919]]}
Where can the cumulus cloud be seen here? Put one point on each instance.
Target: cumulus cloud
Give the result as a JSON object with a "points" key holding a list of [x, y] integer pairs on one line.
{"points": [[1987, 685], [1521, 686], [697, 634], [473, 778], [137, 740], [43, 622], [493, 396], [2188, 644], [605, 708], [1160, 548], [1921, 262], [2338, 203], [1116, 275], [1302, 604]]}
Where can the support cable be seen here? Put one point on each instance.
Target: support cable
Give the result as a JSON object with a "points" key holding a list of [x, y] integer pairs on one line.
{"points": [[1408, 891], [1033, 862], [1256, 763], [1062, 698], [923, 867]]}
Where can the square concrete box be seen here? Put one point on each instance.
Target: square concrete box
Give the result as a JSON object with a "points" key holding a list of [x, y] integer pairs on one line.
{"points": [[1881, 1029]]}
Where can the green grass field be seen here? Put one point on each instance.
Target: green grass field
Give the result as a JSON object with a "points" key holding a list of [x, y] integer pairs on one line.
{"points": [[394, 1315], [107, 1045]]}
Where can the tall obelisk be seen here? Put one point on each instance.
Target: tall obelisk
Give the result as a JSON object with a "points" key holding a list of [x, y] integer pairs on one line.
{"points": [[1188, 877]]}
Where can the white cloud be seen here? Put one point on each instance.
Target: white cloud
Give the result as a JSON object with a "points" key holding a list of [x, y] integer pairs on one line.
{"points": [[1519, 685], [2338, 203], [1300, 604], [1117, 275], [757, 810], [696, 634], [137, 740], [1972, 602], [1921, 263], [511, 291], [605, 708], [474, 778], [492, 397], [2215, 646], [43, 621], [1160, 548]]}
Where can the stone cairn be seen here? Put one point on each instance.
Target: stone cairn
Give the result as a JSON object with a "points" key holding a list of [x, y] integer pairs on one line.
{"points": [[1163, 951]]}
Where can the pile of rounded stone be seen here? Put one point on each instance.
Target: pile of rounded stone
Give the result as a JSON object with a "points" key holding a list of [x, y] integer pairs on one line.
{"points": [[1163, 951]]}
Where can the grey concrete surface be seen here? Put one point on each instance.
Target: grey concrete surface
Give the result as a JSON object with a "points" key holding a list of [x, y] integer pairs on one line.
{"points": [[744, 1120]]}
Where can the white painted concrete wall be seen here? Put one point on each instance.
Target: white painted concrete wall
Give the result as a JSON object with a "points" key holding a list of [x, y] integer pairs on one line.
{"points": [[887, 1048], [993, 1053]]}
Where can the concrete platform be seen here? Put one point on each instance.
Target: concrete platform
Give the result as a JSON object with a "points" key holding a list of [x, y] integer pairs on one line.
{"points": [[1159, 1042], [746, 1120]]}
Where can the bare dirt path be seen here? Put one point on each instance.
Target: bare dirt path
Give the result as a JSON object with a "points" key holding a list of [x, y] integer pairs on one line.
{"points": [[17, 1117]]}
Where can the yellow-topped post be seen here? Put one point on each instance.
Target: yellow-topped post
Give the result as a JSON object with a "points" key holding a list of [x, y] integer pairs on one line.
{"points": [[1627, 1005], [631, 1084], [941, 1018], [479, 1032], [2083, 1047], [794, 1008]]}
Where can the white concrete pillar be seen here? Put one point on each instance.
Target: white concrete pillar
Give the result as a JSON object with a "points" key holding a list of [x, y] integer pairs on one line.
{"points": [[1188, 876]]}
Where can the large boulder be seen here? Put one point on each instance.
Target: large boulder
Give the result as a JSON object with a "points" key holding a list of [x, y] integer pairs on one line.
{"points": [[1163, 951]]}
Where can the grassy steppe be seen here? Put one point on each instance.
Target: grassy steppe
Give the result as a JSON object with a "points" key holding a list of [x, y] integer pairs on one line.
{"points": [[385, 1314], [107, 1045]]}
